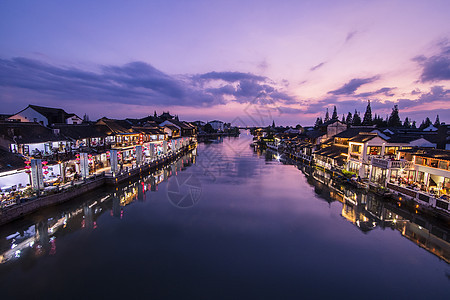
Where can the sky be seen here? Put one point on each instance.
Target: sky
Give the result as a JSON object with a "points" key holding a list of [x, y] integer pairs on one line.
{"points": [[245, 62]]}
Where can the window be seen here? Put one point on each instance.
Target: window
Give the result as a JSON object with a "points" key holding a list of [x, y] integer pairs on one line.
{"points": [[374, 150], [434, 163], [356, 148], [419, 160], [390, 150], [442, 165]]}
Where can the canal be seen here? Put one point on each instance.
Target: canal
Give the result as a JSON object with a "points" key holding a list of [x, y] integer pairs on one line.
{"points": [[226, 221]]}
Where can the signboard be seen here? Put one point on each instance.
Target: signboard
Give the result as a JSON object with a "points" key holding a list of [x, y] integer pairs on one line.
{"points": [[113, 161], [151, 150], [37, 178], [139, 155], [164, 147], [84, 165]]}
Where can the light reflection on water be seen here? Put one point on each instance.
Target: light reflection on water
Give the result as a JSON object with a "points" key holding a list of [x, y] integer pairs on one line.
{"points": [[227, 221]]}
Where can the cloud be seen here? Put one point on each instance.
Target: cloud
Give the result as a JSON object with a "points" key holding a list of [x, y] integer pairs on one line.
{"points": [[317, 66], [387, 91], [136, 83], [350, 35], [230, 76], [437, 67], [243, 87], [133, 83], [263, 65], [350, 87], [289, 110]]}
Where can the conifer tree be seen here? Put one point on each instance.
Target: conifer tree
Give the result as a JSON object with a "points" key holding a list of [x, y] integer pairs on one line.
{"points": [[327, 116], [413, 125], [273, 123], [394, 118], [356, 119], [425, 123], [349, 120], [367, 121], [335, 115], [437, 123], [318, 122], [407, 124], [343, 119]]}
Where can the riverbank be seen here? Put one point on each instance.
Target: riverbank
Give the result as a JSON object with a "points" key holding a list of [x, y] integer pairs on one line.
{"points": [[91, 183]]}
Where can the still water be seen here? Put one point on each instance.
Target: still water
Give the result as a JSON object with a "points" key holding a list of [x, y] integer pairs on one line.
{"points": [[226, 222]]}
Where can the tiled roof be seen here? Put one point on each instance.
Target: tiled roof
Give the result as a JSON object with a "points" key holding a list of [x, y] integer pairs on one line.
{"points": [[363, 137], [82, 131], [10, 161], [27, 133], [429, 152]]}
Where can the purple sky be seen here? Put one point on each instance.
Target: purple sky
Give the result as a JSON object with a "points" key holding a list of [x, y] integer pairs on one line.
{"points": [[246, 62]]}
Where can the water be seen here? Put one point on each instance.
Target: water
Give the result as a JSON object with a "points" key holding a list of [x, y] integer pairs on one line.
{"points": [[226, 222]]}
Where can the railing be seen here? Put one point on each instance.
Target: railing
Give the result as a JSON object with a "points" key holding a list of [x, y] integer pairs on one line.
{"points": [[422, 198], [391, 164]]}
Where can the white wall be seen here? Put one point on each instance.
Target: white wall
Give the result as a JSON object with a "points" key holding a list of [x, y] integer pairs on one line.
{"points": [[28, 115], [14, 179], [74, 120]]}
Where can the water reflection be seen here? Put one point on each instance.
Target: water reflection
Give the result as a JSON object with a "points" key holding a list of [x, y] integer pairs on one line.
{"points": [[368, 211], [40, 239], [264, 232]]}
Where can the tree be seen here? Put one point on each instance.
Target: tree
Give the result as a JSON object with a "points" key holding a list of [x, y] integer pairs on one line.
{"points": [[394, 118], [425, 123], [327, 116], [407, 124], [367, 121], [273, 123], [335, 115], [356, 119], [154, 114], [413, 125], [379, 122], [349, 120], [85, 118], [437, 123], [343, 119], [318, 122], [209, 129]]}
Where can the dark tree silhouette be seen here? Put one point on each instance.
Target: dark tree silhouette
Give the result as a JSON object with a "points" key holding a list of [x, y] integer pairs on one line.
{"points": [[406, 123], [349, 120], [335, 115], [327, 116], [356, 119], [318, 122], [394, 118], [437, 123], [368, 115], [425, 123]]}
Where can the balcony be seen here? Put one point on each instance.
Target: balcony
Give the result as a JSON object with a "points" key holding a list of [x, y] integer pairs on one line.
{"points": [[391, 164]]}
